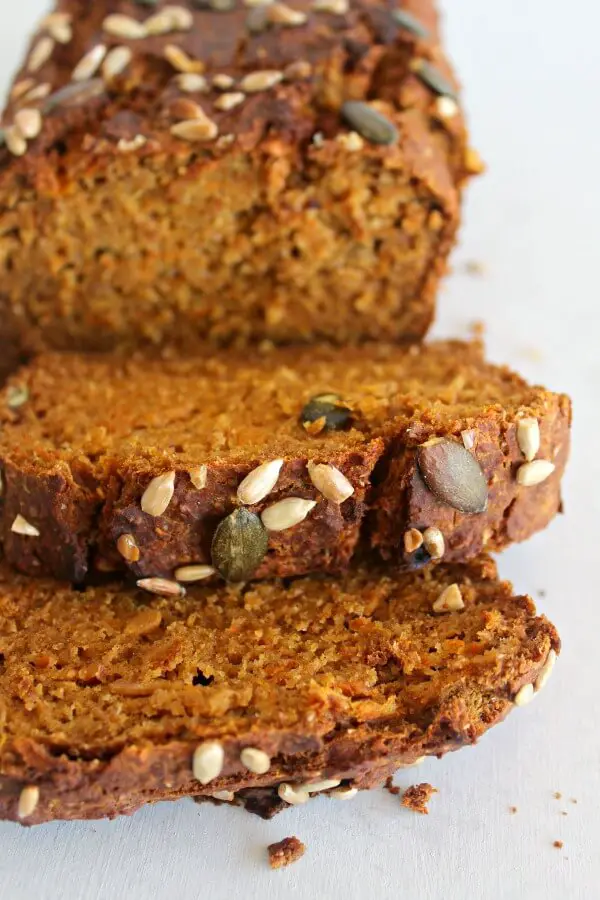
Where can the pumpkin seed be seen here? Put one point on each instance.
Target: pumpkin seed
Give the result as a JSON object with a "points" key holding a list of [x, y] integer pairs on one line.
{"points": [[434, 79], [372, 125], [453, 475], [239, 545], [329, 408], [410, 23]]}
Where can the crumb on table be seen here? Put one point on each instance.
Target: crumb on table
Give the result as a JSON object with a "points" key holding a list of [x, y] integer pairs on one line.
{"points": [[391, 787], [557, 795], [474, 267], [285, 852], [512, 809], [558, 844], [417, 797], [572, 800], [477, 328]]}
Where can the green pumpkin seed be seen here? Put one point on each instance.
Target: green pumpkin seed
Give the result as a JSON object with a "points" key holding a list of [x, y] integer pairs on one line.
{"points": [[407, 21], [329, 407], [434, 79], [239, 545], [453, 475], [369, 123]]}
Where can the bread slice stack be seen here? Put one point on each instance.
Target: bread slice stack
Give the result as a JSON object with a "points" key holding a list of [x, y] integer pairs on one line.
{"points": [[244, 513]]}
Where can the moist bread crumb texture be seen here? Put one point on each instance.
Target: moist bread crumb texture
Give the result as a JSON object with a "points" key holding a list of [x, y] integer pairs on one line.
{"points": [[278, 464], [169, 175], [112, 698], [285, 852]]}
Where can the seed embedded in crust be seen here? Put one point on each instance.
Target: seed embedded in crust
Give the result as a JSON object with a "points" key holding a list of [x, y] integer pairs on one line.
{"points": [[39, 92], [229, 101], [186, 108], [335, 7], [534, 472], [330, 482], [191, 83], [225, 796], [281, 14], [207, 762], [162, 587], [58, 25], [260, 81], [40, 54], [525, 695], [259, 483], [195, 130], [433, 78], [74, 94], [128, 548], [116, 62], [453, 475], [327, 412], [239, 545], [199, 477], [287, 513], [369, 123], [344, 793], [410, 23], [28, 801], [413, 539], [450, 600], [89, 64], [255, 760], [434, 543], [298, 71], [22, 526], [528, 437], [468, 438], [190, 574], [292, 795], [181, 61], [223, 82], [446, 108], [159, 493], [125, 27], [315, 787], [546, 671], [351, 141], [17, 395], [15, 142], [130, 146], [22, 87]]}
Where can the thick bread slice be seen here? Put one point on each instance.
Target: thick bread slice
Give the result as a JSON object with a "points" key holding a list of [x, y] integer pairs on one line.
{"points": [[83, 439], [111, 699]]}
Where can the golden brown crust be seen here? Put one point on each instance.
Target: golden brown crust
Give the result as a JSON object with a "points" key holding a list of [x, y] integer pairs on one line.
{"points": [[107, 696], [109, 244]]}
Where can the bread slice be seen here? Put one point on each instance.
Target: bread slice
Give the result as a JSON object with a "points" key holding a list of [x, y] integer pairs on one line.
{"points": [[109, 464], [171, 175], [112, 699]]}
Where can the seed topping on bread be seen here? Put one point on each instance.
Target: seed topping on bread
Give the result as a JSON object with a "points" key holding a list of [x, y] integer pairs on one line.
{"points": [[453, 475]]}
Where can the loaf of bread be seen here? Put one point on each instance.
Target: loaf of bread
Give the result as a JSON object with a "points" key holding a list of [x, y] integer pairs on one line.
{"points": [[249, 466], [227, 171], [111, 699]]}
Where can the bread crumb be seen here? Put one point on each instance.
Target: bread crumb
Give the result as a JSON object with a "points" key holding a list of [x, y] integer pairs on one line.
{"points": [[572, 800], [477, 328], [417, 797], [558, 844], [563, 812], [391, 787], [541, 592], [474, 267], [557, 795], [285, 852], [512, 809]]}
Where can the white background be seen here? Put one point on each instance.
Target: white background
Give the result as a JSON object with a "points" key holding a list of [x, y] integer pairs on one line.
{"points": [[532, 82]]}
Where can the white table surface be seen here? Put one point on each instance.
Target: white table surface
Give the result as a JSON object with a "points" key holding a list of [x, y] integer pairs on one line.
{"points": [[532, 84]]}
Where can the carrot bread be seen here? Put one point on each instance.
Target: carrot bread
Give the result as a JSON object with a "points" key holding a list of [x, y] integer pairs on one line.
{"points": [[111, 698], [280, 464], [177, 172]]}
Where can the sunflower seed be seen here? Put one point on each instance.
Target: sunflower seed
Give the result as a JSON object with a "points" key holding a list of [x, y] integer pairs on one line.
{"points": [[21, 88], [434, 543], [58, 25], [116, 62], [159, 493], [239, 545], [222, 5], [180, 60], [534, 472], [528, 437], [130, 146], [259, 483], [191, 83], [225, 796], [434, 79], [281, 14], [128, 548], [286, 513], [525, 695], [413, 539], [446, 107], [22, 526], [351, 141], [207, 763], [369, 123], [163, 587], [15, 142], [344, 793], [327, 409], [28, 801], [335, 7], [39, 92], [229, 101], [330, 482], [223, 82], [450, 600], [199, 477], [407, 21], [89, 64], [453, 475], [40, 54], [546, 671], [255, 760], [468, 438], [184, 108], [195, 130], [260, 81], [17, 395], [315, 787], [292, 795], [298, 71], [170, 18], [190, 574], [124, 27]]}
